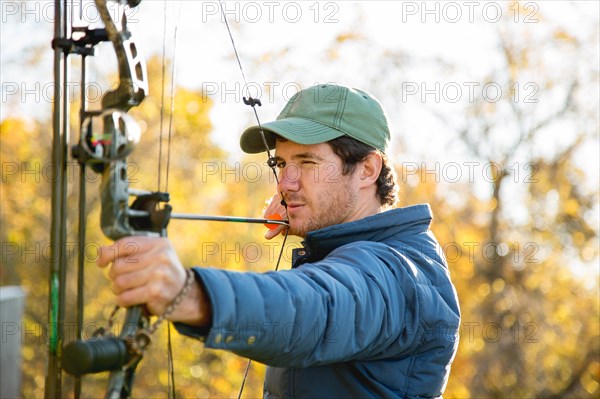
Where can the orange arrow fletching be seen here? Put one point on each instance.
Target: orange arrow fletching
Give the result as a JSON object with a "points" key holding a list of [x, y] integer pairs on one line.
{"points": [[272, 226]]}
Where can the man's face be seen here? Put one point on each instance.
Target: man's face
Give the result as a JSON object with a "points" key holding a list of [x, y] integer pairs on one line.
{"points": [[313, 186]]}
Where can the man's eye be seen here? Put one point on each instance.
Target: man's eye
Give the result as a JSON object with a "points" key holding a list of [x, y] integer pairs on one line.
{"points": [[280, 165], [308, 163]]}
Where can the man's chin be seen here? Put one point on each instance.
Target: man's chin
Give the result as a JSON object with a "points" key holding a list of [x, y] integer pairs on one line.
{"points": [[295, 230], [298, 233]]}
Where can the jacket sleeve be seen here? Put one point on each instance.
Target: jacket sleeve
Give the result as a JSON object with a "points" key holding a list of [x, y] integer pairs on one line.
{"points": [[355, 304]]}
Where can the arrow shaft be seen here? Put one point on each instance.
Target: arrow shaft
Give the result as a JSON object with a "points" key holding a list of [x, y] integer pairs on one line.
{"points": [[235, 219]]}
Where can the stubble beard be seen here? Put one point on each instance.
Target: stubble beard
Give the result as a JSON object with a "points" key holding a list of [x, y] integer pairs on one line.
{"points": [[332, 207]]}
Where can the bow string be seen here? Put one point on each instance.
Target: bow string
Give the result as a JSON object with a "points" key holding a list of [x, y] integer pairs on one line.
{"points": [[271, 162]]}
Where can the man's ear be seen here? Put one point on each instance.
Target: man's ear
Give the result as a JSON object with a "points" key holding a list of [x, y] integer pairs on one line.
{"points": [[370, 169]]}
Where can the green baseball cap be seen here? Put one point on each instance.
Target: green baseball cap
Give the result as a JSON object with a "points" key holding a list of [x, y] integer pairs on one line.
{"points": [[321, 113]]}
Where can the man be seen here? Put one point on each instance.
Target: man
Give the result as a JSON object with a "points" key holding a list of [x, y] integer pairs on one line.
{"points": [[368, 308]]}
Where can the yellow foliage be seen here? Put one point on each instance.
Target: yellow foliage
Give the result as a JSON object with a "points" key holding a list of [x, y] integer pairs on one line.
{"points": [[347, 36]]}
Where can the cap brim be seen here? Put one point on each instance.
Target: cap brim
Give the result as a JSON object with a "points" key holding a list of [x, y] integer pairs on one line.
{"points": [[298, 130]]}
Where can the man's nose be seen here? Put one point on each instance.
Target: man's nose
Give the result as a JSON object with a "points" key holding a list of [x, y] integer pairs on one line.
{"points": [[289, 179]]}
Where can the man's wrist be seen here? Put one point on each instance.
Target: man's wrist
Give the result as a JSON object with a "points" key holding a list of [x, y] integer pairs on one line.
{"points": [[194, 309]]}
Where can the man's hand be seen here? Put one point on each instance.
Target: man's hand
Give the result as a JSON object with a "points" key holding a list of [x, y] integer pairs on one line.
{"points": [[275, 207], [147, 271]]}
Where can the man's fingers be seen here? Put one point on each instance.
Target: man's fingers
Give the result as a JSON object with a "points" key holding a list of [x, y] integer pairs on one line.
{"points": [[144, 270], [121, 248], [128, 247], [136, 296], [275, 232], [153, 289], [274, 206], [121, 282], [106, 255]]}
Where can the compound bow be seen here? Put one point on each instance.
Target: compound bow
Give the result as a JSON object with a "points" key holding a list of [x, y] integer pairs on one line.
{"points": [[147, 215]]}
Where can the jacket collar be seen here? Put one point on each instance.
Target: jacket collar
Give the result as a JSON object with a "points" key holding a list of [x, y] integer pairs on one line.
{"points": [[379, 227]]}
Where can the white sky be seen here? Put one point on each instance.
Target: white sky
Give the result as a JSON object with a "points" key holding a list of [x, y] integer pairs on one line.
{"points": [[459, 32], [297, 34]]}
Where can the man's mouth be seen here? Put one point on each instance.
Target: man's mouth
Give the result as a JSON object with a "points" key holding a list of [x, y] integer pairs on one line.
{"points": [[293, 207]]}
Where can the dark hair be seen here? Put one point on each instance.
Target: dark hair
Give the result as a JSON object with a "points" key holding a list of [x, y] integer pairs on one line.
{"points": [[352, 152]]}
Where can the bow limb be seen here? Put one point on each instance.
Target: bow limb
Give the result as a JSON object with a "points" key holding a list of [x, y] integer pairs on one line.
{"points": [[57, 278], [133, 75]]}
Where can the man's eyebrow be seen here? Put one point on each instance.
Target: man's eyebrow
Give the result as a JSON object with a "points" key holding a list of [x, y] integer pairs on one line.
{"points": [[303, 155]]}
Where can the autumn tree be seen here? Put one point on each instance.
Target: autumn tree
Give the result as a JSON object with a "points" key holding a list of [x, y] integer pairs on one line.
{"points": [[524, 253]]}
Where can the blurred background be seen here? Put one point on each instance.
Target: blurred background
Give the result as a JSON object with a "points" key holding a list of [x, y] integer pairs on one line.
{"points": [[495, 113]]}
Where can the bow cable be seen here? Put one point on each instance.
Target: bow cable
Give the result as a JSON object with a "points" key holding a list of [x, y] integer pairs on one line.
{"points": [[172, 97], [172, 108], [171, 367], [162, 93], [170, 133]]}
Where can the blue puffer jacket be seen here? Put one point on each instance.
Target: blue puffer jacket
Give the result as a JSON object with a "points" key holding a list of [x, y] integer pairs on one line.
{"points": [[367, 311]]}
